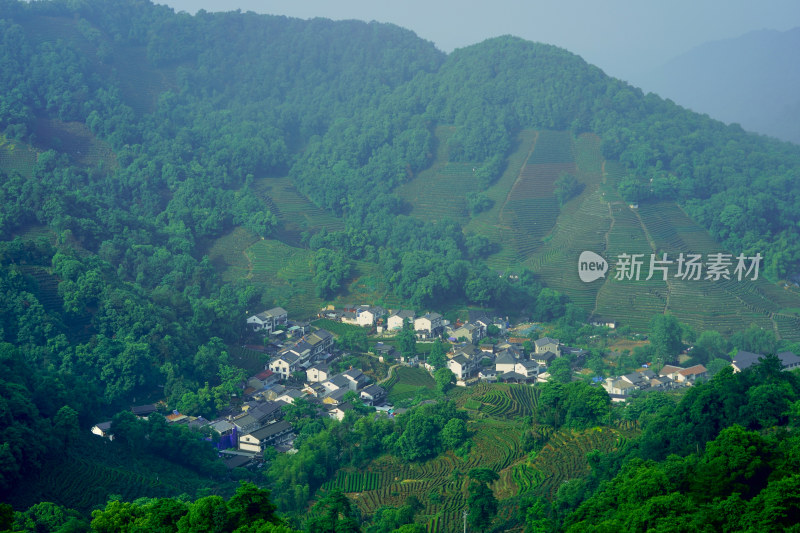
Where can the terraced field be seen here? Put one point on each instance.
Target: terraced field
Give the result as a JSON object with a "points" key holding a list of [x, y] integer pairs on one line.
{"points": [[295, 212], [439, 191], [531, 210], [506, 401], [406, 381], [561, 459], [489, 223], [497, 429], [282, 267], [16, 156], [388, 481], [599, 220], [76, 140], [85, 481]]}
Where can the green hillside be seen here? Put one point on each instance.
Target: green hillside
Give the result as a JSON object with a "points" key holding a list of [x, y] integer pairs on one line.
{"points": [[162, 175], [533, 232]]}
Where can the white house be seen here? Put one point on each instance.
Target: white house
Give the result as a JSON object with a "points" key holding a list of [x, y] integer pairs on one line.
{"points": [[429, 325], [461, 367], [743, 360], [268, 320], [356, 378], [367, 315], [546, 344], [396, 320], [505, 361], [338, 411], [544, 359], [290, 396], [320, 341], [529, 369], [103, 429], [284, 365], [471, 332], [618, 386], [259, 439], [373, 394], [318, 373], [337, 382]]}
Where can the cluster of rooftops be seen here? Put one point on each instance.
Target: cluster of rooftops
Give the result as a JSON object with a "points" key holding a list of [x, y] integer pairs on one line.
{"points": [[304, 369]]}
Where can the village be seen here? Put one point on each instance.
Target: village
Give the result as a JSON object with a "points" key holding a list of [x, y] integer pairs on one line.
{"points": [[305, 367]]}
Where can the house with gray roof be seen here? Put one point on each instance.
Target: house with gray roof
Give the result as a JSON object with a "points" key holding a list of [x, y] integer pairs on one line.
{"points": [[547, 344], [462, 367], [505, 361], [398, 318], [257, 441], [744, 360], [373, 394], [268, 320]]}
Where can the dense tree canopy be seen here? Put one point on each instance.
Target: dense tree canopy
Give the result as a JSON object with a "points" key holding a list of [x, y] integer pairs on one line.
{"points": [[118, 297]]}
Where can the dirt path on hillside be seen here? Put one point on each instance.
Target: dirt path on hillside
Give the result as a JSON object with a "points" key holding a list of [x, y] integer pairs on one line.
{"points": [[501, 213]]}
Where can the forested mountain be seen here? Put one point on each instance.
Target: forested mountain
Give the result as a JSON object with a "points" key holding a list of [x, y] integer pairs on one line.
{"points": [[154, 167], [746, 80]]}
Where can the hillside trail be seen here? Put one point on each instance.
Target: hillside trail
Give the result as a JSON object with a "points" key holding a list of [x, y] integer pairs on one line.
{"points": [[501, 214], [653, 246], [389, 373], [605, 237]]}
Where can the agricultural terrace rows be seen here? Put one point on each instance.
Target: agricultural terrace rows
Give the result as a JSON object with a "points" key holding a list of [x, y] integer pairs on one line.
{"points": [[388, 481], [227, 253], [488, 223], [504, 401], [406, 381], [82, 483], [581, 225], [76, 140], [439, 191], [637, 300], [530, 209], [17, 157], [295, 212], [336, 327], [46, 287], [561, 459], [368, 285], [251, 360], [673, 232], [496, 444], [283, 273]]}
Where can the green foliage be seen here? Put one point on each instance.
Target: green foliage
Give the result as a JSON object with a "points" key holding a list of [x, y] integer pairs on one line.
{"points": [[421, 430], [757, 398], [354, 340], [444, 379], [454, 433], [478, 203], [560, 370], [666, 336], [332, 514], [122, 293], [407, 340], [249, 510], [566, 187], [331, 269], [727, 487], [437, 356], [481, 502]]}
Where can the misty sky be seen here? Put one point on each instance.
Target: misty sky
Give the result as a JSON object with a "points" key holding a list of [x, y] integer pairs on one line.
{"points": [[626, 38]]}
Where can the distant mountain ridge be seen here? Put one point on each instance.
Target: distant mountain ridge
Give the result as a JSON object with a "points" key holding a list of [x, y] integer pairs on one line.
{"points": [[753, 80]]}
